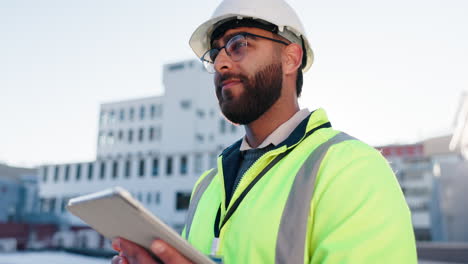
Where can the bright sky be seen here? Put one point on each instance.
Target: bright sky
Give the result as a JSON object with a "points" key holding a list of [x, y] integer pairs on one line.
{"points": [[385, 71]]}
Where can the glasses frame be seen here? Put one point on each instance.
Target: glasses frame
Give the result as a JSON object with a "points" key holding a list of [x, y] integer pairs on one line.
{"points": [[245, 35]]}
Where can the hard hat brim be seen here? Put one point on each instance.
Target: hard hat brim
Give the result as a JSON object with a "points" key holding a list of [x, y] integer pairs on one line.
{"points": [[200, 39]]}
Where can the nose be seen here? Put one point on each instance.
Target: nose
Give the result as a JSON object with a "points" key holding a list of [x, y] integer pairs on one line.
{"points": [[222, 62]]}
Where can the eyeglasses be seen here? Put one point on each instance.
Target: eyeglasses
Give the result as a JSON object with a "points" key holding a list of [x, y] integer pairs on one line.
{"points": [[236, 49]]}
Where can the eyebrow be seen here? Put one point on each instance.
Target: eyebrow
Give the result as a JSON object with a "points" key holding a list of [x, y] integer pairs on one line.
{"points": [[226, 38]]}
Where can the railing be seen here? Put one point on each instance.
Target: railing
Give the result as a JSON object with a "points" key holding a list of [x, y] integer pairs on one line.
{"points": [[443, 251]]}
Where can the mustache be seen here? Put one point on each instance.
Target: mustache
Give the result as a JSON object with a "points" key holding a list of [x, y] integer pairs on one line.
{"points": [[220, 78]]}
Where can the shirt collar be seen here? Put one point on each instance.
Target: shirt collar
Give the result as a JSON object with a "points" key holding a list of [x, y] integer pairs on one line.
{"points": [[281, 133]]}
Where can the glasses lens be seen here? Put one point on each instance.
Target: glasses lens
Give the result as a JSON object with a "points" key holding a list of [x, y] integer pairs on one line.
{"points": [[213, 53], [237, 47], [209, 66], [210, 56], [208, 59]]}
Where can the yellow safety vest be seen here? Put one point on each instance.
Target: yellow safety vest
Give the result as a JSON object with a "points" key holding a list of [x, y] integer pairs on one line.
{"points": [[321, 196]]}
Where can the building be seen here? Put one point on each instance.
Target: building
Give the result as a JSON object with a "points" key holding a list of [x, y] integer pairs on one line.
{"points": [[18, 205], [413, 170], [432, 174], [155, 147], [18, 193], [451, 179]]}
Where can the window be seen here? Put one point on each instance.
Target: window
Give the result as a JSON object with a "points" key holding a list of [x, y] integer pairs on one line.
{"points": [[52, 205], [148, 198], [140, 135], [142, 112], [153, 111], [417, 191], [122, 115], [56, 173], [141, 168], [130, 136], [155, 167], [111, 117], [185, 104], [90, 171], [67, 172], [42, 205], [64, 204], [151, 134], [198, 167], [200, 113], [120, 135], [127, 168], [103, 118], [44, 175], [78, 172], [102, 138], [115, 168], [102, 171], [139, 197], [182, 200], [157, 198], [199, 137], [169, 166], [110, 138], [158, 133], [183, 165], [222, 126], [176, 67], [131, 114]]}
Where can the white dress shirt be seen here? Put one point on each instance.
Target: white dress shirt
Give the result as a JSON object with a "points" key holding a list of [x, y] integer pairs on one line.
{"points": [[281, 133]]}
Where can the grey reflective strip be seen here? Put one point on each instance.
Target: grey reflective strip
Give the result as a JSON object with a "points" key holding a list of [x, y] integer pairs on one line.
{"points": [[290, 244], [201, 187]]}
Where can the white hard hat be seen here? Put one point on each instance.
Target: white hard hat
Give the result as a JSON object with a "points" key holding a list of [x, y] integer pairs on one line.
{"points": [[276, 12]]}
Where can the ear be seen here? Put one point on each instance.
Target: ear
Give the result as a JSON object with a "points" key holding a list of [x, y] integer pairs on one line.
{"points": [[292, 58]]}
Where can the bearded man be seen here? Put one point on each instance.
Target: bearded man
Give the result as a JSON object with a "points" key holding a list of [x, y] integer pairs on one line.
{"points": [[293, 190]]}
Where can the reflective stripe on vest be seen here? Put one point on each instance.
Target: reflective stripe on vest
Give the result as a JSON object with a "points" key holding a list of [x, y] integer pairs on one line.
{"points": [[202, 186], [290, 243]]}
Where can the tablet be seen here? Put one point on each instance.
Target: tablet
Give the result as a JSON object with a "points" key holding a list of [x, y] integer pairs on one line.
{"points": [[115, 213]]}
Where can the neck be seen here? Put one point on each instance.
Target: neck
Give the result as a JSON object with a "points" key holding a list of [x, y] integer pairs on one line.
{"points": [[257, 131]]}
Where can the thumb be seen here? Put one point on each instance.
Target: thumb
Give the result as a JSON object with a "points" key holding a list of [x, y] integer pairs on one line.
{"points": [[167, 253]]}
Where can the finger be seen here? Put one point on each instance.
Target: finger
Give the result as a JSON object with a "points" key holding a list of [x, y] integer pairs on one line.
{"points": [[168, 254], [117, 260], [116, 244], [134, 254]]}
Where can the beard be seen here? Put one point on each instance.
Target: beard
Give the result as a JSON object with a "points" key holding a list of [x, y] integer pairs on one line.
{"points": [[260, 92]]}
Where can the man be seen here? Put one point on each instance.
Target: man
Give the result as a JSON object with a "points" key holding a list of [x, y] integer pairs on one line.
{"points": [[293, 190]]}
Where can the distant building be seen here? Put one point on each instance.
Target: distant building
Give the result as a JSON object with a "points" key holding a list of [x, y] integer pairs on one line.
{"points": [[438, 149], [18, 193], [414, 173], [433, 175], [18, 205], [155, 147], [451, 179]]}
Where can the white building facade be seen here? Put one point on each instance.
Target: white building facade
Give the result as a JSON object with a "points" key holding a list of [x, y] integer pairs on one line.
{"points": [[155, 147]]}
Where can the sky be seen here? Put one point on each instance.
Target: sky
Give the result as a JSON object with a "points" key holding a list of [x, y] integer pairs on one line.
{"points": [[386, 72]]}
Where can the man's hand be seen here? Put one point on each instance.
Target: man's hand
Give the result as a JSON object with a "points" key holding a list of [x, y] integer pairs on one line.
{"points": [[131, 253]]}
